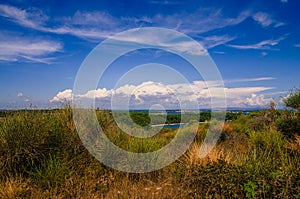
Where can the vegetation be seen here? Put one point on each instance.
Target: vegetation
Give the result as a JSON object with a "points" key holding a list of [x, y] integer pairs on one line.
{"points": [[257, 156], [145, 118], [293, 100]]}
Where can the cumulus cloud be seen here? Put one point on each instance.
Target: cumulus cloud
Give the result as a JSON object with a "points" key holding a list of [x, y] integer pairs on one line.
{"points": [[282, 99], [254, 100], [20, 94], [171, 95], [62, 96]]}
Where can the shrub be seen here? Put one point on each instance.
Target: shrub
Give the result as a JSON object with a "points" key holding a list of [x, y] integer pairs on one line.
{"points": [[289, 126], [293, 99]]}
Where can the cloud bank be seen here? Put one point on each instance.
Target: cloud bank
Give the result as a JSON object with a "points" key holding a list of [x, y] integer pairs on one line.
{"points": [[169, 96]]}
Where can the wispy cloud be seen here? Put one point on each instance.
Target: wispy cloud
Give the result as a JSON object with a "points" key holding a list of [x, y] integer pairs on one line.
{"points": [[159, 38], [265, 20], [215, 40], [75, 25], [297, 45], [165, 2], [32, 19], [263, 45], [284, 1], [91, 18], [249, 79], [208, 19], [264, 54], [16, 48], [96, 24]]}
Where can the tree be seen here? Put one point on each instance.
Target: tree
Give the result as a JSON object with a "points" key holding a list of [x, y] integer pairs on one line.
{"points": [[293, 100], [289, 124]]}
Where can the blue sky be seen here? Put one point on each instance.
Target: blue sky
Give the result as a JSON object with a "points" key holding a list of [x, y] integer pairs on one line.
{"points": [[255, 45]]}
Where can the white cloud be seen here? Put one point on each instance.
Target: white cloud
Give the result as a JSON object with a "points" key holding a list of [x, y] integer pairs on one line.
{"points": [[263, 18], [36, 19], [266, 20], [297, 45], [164, 2], [233, 93], [212, 41], [32, 19], [163, 40], [249, 79], [254, 100], [16, 48], [284, 1], [264, 54], [96, 24], [278, 24], [20, 94], [170, 95], [219, 52], [263, 45], [93, 18], [99, 93], [283, 98], [62, 96]]}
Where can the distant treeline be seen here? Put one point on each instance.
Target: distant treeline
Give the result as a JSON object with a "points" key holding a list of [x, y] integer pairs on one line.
{"points": [[143, 118], [4, 113]]}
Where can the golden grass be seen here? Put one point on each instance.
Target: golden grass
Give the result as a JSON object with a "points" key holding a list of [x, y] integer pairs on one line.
{"points": [[294, 145]]}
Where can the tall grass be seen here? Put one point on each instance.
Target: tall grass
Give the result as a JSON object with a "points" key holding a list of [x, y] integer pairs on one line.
{"points": [[41, 156]]}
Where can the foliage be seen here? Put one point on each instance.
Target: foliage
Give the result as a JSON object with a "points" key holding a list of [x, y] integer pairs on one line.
{"points": [[293, 99], [142, 119], [289, 127]]}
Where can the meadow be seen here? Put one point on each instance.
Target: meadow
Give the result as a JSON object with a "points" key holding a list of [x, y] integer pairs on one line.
{"points": [[257, 156]]}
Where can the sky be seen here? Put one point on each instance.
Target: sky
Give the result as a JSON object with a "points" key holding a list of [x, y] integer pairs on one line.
{"points": [[254, 44]]}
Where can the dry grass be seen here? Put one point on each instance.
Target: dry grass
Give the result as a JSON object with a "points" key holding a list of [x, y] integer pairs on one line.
{"points": [[13, 187], [294, 145], [233, 148], [227, 151]]}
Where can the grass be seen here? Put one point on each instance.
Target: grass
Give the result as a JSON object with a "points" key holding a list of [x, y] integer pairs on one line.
{"points": [[41, 156]]}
